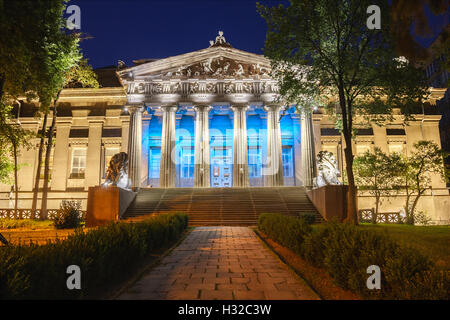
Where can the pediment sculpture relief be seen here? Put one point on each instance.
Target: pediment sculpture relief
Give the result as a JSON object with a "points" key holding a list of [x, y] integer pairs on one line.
{"points": [[220, 67]]}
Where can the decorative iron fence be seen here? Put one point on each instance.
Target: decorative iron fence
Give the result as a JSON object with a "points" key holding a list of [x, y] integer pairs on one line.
{"points": [[365, 215], [28, 213]]}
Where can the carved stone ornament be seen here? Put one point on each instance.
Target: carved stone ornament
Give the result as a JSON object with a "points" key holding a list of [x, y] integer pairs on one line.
{"points": [[117, 172], [328, 172], [220, 67]]}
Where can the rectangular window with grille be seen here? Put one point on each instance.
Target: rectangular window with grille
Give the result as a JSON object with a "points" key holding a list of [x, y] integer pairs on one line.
{"points": [[78, 163]]}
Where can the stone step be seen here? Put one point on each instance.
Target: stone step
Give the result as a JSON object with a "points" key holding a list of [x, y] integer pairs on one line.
{"points": [[221, 206]]}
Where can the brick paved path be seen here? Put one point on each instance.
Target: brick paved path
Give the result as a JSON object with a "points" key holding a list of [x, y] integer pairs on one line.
{"points": [[220, 263]]}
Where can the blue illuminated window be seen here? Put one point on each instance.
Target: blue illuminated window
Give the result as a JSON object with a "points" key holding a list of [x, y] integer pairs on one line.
{"points": [[254, 162], [288, 164], [155, 160]]}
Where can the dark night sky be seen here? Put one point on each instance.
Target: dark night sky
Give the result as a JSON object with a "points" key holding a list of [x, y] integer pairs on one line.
{"points": [[137, 29]]}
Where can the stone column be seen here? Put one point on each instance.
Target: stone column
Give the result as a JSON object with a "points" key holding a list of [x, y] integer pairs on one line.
{"points": [[93, 157], [240, 153], [135, 146], [167, 169], [201, 157], [273, 169], [61, 167], [125, 131], [308, 153]]}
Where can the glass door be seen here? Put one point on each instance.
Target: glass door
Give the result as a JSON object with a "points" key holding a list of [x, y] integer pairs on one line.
{"points": [[221, 167]]}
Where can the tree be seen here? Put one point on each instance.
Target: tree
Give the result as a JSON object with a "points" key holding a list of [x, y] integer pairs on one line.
{"points": [[14, 139], [415, 171], [32, 33], [6, 166], [25, 30], [376, 173], [407, 13], [324, 54], [70, 70]]}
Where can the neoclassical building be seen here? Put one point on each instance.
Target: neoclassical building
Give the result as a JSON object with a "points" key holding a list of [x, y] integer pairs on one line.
{"points": [[207, 118]]}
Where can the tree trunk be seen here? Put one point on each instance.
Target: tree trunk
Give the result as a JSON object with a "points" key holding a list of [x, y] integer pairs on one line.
{"points": [[2, 84], [38, 170], [16, 188], [352, 211], [413, 207], [377, 205], [47, 161]]}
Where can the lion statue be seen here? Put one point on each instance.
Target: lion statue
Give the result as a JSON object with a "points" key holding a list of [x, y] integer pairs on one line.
{"points": [[117, 172], [328, 172]]}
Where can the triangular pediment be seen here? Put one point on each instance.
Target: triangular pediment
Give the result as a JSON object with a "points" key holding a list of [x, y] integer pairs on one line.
{"points": [[212, 62]]}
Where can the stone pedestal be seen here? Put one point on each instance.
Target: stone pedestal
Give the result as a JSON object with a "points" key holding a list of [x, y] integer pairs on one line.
{"points": [[330, 201], [106, 204]]}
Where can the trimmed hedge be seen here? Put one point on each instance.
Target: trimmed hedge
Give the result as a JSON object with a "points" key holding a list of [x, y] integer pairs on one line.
{"points": [[103, 255], [345, 252]]}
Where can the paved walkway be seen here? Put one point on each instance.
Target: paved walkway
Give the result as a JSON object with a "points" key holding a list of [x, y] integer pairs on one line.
{"points": [[220, 263]]}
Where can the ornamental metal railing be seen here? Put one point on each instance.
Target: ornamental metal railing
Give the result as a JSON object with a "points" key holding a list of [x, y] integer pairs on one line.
{"points": [[28, 213], [366, 215]]}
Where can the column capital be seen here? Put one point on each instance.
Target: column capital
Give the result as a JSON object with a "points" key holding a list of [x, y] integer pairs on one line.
{"points": [[202, 107], [169, 108], [237, 107], [134, 108], [273, 107]]}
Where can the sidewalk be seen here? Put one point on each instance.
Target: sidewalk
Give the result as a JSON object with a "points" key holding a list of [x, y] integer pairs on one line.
{"points": [[220, 263]]}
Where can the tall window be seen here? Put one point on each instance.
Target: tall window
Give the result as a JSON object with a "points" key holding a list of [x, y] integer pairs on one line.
{"points": [[288, 167], [155, 161], [395, 148], [78, 163], [254, 162]]}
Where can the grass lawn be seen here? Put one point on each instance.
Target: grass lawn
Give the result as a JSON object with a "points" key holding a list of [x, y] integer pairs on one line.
{"points": [[25, 223], [433, 241]]}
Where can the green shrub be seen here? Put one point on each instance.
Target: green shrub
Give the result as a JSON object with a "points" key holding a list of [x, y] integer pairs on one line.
{"points": [[345, 252], [288, 231], [310, 218], [68, 215], [103, 255]]}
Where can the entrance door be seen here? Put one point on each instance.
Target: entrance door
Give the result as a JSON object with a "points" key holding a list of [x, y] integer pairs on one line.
{"points": [[221, 167], [185, 175]]}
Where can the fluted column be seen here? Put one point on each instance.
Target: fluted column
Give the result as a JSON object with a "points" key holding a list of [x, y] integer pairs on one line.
{"points": [[167, 169], [308, 153], [135, 146], [273, 169], [240, 154], [201, 156]]}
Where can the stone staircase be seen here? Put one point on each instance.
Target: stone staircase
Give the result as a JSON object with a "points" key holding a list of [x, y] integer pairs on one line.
{"points": [[221, 206]]}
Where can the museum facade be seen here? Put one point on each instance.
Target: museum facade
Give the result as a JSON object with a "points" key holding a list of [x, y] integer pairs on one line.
{"points": [[208, 118]]}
